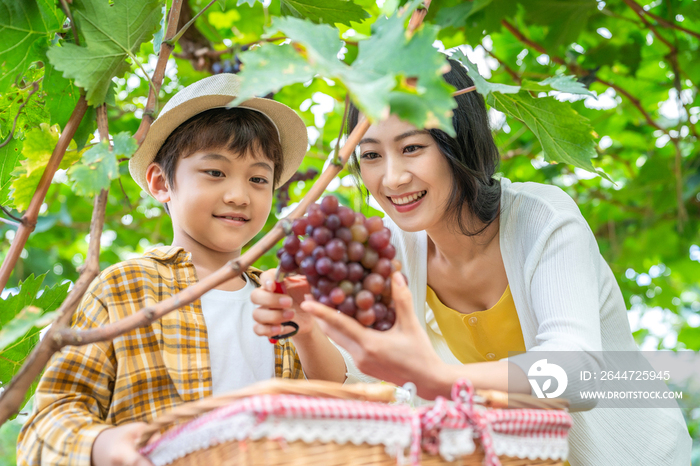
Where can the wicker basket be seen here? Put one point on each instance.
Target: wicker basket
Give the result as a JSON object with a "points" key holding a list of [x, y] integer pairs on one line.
{"points": [[273, 451]]}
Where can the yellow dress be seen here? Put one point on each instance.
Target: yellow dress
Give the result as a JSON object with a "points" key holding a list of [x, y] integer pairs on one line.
{"points": [[482, 335]]}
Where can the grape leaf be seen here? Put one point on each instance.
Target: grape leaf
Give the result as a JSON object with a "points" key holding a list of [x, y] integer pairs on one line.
{"points": [[565, 135], [25, 28], [97, 168], [324, 11], [9, 159], [111, 34], [13, 319], [565, 18], [124, 145], [38, 146], [557, 83], [158, 36], [483, 87], [457, 15]]}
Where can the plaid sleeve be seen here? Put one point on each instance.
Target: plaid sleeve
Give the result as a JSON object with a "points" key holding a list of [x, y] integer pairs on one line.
{"points": [[72, 398]]}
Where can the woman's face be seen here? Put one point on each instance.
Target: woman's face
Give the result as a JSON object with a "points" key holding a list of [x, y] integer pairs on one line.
{"points": [[406, 173]]}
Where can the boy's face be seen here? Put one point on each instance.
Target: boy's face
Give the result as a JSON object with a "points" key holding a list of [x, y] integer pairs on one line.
{"points": [[220, 200]]}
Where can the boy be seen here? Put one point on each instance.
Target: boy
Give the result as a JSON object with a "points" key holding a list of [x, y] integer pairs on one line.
{"points": [[214, 169]]}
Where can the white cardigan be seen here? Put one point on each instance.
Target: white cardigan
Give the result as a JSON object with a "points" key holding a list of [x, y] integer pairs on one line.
{"points": [[567, 299]]}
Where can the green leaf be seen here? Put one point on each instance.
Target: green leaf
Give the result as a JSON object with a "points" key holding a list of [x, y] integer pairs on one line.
{"points": [[565, 18], [483, 87], [97, 168], [38, 146], [565, 135], [111, 34], [24, 326], [124, 145], [557, 83], [325, 11], [23, 322], [457, 15], [158, 36], [241, 2], [9, 160], [269, 68], [25, 28]]}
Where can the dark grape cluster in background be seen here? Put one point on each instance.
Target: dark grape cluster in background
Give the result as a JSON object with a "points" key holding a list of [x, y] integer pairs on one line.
{"points": [[282, 193], [227, 66], [346, 258]]}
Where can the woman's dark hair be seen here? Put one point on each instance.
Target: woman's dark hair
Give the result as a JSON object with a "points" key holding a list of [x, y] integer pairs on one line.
{"points": [[472, 155]]}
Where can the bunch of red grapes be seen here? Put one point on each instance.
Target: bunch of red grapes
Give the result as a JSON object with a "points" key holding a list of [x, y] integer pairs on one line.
{"points": [[347, 259]]}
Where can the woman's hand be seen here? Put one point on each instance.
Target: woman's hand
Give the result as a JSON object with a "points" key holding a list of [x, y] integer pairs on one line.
{"points": [[116, 446], [275, 308], [399, 355]]}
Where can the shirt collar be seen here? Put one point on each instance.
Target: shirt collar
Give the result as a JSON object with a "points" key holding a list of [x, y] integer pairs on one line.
{"points": [[173, 254]]}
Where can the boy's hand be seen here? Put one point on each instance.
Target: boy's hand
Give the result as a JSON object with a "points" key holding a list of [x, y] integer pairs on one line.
{"points": [[275, 308], [116, 446]]}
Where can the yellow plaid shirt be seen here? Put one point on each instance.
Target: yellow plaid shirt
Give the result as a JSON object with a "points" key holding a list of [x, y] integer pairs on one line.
{"points": [[136, 377]]}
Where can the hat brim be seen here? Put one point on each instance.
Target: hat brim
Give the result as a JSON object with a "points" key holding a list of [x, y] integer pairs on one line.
{"points": [[293, 136]]}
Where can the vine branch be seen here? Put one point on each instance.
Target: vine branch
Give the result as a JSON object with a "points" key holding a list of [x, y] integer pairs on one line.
{"points": [[28, 222], [159, 73], [641, 12], [14, 393], [184, 28]]}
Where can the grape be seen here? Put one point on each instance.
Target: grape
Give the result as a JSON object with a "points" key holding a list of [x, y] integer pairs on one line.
{"points": [[322, 235], [335, 249], [308, 245], [344, 233], [339, 272], [379, 239], [389, 252], [348, 306], [359, 233], [299, 226], [348, 287], [325, 286], [337, 296], [324, 266], [370, 258], [356, 251], [355, 272], [287, 262], [316, 217], [291, 244], [365, 316], [382, 267], [346, 215], [380, 311], [308, 267], [347, 259], [319, 252], [374, 283], [329, 205], [333, 222], [374, 224], [364, 299]]}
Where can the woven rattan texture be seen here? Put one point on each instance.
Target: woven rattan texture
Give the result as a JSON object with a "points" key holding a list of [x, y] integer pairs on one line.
{"points": [[267, 452]]}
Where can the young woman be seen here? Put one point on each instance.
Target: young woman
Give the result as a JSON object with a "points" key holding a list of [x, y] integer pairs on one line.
{"points": [[494, 267]]}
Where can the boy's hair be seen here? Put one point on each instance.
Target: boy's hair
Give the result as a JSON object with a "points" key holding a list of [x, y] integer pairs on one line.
{"points": [[237, 129]]}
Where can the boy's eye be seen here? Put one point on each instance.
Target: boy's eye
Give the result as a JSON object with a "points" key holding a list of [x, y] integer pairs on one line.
{"points": [[215, 173], [258, 180]]}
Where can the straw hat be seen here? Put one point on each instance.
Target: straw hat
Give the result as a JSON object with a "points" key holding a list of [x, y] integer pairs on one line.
{"points": [[212, 92]]}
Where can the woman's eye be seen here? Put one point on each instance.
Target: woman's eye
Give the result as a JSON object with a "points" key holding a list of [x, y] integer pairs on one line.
{"points": [[369, 155], [412, 148], [215, 173], [258, 180]]}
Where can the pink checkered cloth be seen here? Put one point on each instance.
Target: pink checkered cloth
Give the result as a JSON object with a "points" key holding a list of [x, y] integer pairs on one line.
{"points": [[425, 423]]}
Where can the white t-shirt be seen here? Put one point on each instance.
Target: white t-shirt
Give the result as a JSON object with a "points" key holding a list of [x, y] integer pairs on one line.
{"points": [[238, 356]]}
